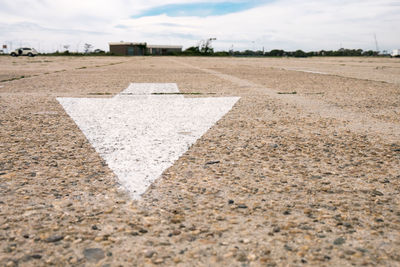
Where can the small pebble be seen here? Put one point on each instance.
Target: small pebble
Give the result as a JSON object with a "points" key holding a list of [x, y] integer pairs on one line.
{"points": [[339, 241], [93, 254], [149, 253], [54, 238]]}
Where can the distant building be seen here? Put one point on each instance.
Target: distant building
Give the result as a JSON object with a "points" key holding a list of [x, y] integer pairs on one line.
{"points": [[163, 49], [141, 49]]}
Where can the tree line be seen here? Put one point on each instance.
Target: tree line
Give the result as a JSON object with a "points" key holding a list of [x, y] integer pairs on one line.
{"points": [[209, 51], [199, 51]]}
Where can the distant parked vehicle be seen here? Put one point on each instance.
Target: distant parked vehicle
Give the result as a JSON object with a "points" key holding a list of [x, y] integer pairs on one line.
{"points": [[99, 51], [30, 52], [395, 53]]}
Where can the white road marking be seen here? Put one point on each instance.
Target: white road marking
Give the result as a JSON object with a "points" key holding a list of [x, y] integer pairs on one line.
{"points": [[138, 134], [307, 71], [149, 88]]}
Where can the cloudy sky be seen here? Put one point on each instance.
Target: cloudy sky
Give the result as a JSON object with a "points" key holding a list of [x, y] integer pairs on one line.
{"points": [[48, 25]]}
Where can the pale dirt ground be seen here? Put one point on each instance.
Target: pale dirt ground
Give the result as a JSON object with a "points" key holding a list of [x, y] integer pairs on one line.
{"points": [[306, 179]]}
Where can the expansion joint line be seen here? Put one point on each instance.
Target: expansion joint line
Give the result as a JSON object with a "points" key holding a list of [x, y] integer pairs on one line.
{"points": [[353, 121]]}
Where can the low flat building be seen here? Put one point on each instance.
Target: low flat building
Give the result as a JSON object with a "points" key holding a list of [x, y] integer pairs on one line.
{"points": [[141, 49], [128, 49], [163, 49]]}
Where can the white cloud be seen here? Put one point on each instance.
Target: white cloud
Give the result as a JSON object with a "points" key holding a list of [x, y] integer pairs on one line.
{"points": [[285, 24]]}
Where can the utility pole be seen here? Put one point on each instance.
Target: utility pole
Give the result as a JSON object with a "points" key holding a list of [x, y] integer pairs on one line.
{"points": [[376, 43], [231, 50]]}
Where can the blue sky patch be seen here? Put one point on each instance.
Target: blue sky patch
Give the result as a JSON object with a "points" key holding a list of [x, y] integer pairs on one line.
{"points": [[201, 9]]}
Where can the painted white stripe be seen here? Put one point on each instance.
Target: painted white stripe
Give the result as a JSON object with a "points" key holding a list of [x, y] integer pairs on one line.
{"points": [[307, 71], [139, 137], [149, 88]]}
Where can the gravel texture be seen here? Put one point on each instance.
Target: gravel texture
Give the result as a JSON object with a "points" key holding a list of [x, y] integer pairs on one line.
{"points": [[311, 178]]}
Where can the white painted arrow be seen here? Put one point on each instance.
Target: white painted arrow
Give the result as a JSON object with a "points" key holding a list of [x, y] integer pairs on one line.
{"points": [[140, 134]]}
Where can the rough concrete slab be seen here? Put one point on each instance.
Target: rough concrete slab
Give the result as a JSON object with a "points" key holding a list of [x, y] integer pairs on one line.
{"points": [[280, 180]]}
